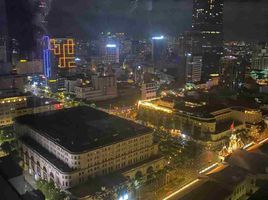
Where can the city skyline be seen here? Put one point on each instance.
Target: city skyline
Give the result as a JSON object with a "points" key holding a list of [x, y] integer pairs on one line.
{"points": [[134, 99], [145, 18]]}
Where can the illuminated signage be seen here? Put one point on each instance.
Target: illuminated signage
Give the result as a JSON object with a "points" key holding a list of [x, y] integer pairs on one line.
{"points": [[158, 37], [63, 49], [46, 57], [111, 45], [58, 106], [52, 81]]}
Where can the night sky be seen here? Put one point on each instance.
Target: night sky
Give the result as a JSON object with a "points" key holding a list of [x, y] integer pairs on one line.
{"points": [[243, 19]]}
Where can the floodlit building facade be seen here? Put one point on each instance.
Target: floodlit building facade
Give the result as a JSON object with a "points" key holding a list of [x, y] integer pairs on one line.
{"points": [[197, 118]]}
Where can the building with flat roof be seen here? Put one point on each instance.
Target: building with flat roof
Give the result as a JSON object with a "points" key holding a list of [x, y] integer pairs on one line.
{"points": [[16, 104], [73, 145], [200, 119], [243, 177], [230, 183]]}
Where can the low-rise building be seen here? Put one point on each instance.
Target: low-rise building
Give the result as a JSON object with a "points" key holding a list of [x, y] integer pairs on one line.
{"points": [[148, 91], [197, 118], [231, 183], [73, 145], [15, 105], [101, 88]]}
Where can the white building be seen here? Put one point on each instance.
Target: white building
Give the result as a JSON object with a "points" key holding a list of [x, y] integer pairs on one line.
{"points": [[148, 91], [19, 105], [193, 68], [102, 88], [111, 54], [73, 145]]}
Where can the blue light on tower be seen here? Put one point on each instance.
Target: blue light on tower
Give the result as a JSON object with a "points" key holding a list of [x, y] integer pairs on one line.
{"points": [[46, 57]]}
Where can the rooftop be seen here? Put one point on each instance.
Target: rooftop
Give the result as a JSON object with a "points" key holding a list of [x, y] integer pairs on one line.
{"points": [[230, 177], [203, 111], [33, 101], [254, 162], [208, 191], [81, 129]]}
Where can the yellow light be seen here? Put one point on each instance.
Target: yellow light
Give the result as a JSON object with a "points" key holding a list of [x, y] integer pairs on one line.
{"points": [[153, 106], [214, 75], [52, 81], [23, 61], [181, 189], [208, 168], [64, 51]]}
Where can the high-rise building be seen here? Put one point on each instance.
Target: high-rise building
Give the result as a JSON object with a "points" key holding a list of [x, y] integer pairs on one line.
{"points": [[47, 57], [189, 44], [260, 57], [111, 54], [44, 6], [193, 68], [158, 48], [208, 23]]}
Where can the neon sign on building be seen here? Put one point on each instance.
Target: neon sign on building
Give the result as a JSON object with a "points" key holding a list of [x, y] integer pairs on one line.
{"points": [[46, 57], [63, 50]]}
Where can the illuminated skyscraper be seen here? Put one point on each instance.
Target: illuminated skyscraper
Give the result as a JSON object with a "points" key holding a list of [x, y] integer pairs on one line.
{"points": [[46, 57], [111, 54], [158, 48], [193, 68], [208, 23]]}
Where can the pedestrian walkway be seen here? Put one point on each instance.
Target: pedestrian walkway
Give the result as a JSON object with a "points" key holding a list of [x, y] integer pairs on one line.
{"points": [[30, 179]]}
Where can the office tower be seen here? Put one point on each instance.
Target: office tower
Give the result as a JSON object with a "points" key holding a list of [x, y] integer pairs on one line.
{"points": [[111, 54], [44, 6], [189, 44], [158, 48], [260, 57], [47, 57], [208, 23], [193, 68], [63, 51]]}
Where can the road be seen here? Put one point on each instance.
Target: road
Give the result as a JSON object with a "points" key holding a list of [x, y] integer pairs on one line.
{"points": [[214, 168]]}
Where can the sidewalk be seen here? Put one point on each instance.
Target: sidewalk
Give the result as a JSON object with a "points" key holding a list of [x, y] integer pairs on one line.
{"points": [[29, 178]]}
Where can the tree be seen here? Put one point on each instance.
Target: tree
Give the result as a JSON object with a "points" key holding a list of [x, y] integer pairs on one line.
{"points": [[6, 147], [49, 190]]}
